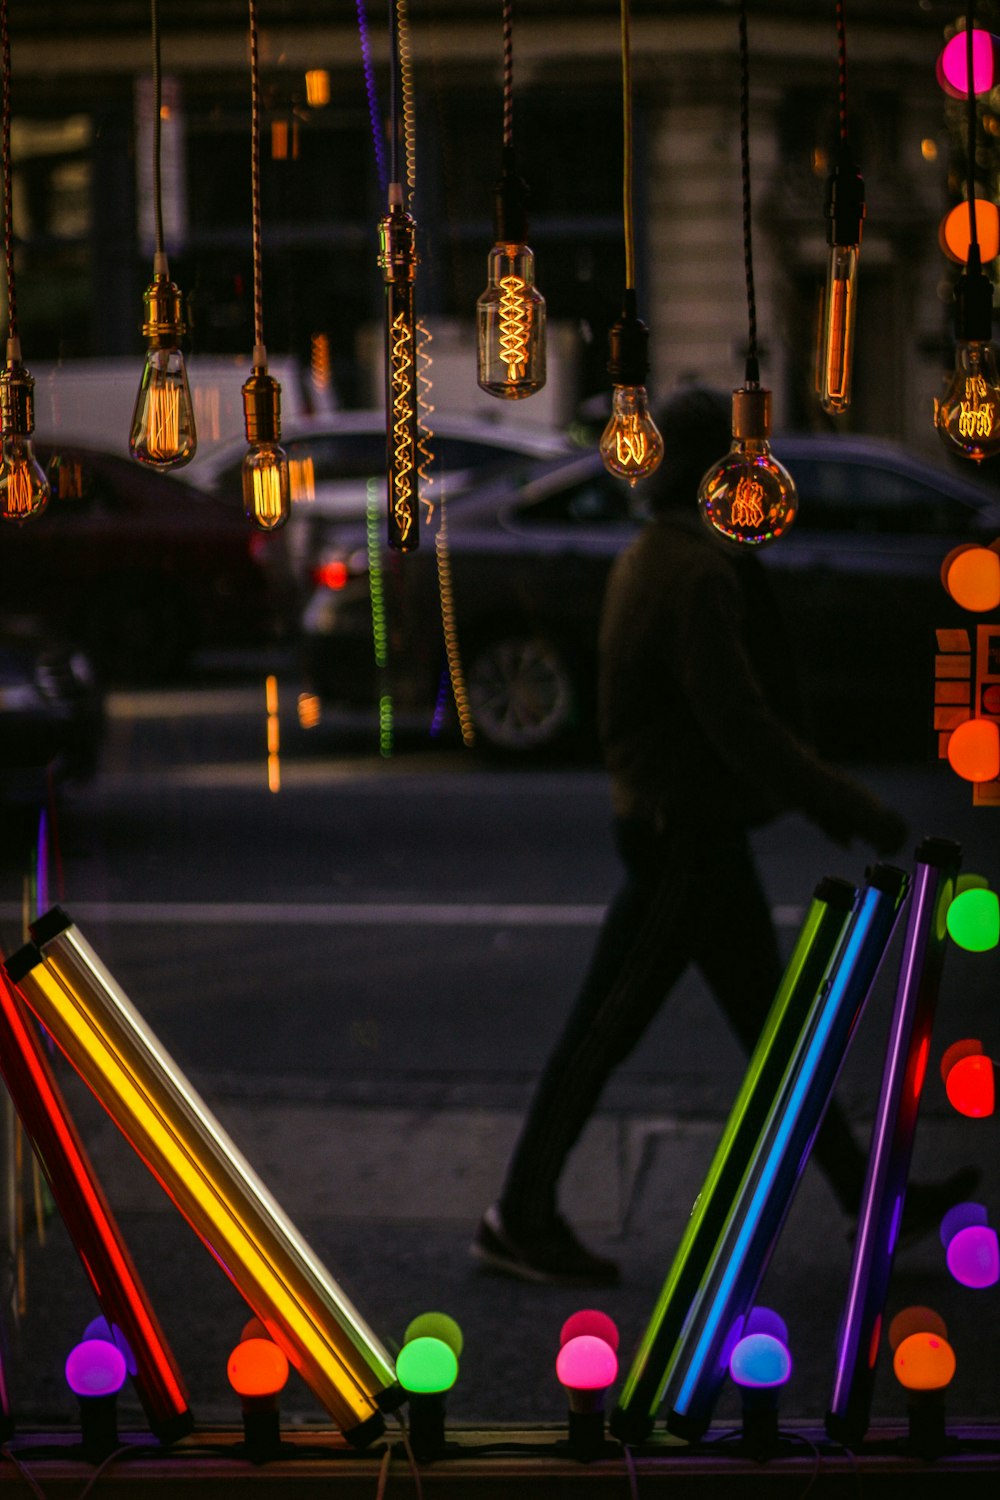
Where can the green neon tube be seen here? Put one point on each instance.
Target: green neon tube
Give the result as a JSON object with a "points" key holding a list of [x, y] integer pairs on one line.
{"points": [[815, 949]]}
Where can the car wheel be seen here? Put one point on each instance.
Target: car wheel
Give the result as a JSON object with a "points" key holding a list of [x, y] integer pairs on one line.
{"points": [[521, 693]]}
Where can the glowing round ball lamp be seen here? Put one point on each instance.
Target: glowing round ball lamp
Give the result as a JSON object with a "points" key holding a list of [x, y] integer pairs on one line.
{"points": [[760, 1365], [590, 1320], [953, 64], [971, 576], [973, 1256], [971, 1088], [974, 750], [100, 1328], [436, 1325], [426, 1368], [953, 231], [586, 1366], [924, 1364], [974, 920], [257, 1371], [95, 1373]]}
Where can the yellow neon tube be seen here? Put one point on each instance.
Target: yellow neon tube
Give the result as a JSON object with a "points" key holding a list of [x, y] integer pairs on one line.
{"points": [[154, 1106]]}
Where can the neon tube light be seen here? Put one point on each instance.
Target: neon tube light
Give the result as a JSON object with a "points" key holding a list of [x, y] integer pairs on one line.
{"points": [[89, 1222], [807, 969], [741, 1253], [212, 1185], [880, 1214]]}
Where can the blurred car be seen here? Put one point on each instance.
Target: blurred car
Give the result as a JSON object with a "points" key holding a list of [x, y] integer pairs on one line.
{"points": [[857, 578], [337, 464], [139, 567], [51, 712]]}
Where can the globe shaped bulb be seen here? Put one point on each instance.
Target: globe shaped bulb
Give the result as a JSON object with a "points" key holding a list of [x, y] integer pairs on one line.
{"points": [[748, 497], [967, 416], [760, 1362], [95, 1368], [974, 750], [924, 1362], [631, 445], [971, 575], [426, 1366], [24, 489], [970, 1087], [257, 1367], [974, 920], [586, 1363]]}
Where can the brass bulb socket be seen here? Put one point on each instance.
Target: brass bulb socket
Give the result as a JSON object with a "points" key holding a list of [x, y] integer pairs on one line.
{"points": [[17, 401], [397, 238], [751, 414], [262, 408], [164, 308]]}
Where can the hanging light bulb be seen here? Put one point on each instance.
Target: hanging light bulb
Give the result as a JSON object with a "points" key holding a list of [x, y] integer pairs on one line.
{"points": [[631, 445], [266, 482], [24, 490], [967, 416], [511, 311], [163, 432], [398, 259], [748, 497], [845, 210]]}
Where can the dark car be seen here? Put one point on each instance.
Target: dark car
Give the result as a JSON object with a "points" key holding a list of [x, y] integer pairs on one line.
{"points": [[140, 568], [51, 713], [857, 577]]}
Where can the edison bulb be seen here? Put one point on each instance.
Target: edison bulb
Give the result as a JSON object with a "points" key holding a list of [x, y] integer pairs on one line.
{"points": [[837, 348], [748, 497], [163, 434], [968, 414], [267, 493], [631, 445], [511, 325], [24, 489]]}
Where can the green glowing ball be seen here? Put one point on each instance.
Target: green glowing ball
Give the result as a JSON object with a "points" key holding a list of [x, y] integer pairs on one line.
{"points": [[436, 1325], [426, 1366], [974, 920]]}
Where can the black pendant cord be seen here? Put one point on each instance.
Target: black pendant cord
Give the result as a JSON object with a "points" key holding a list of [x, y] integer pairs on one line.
{"points": [[508, 75], [258, 293], [157, 115], [627, 205], [971, 125], [842, 72], [752, 377], [8, 207]]}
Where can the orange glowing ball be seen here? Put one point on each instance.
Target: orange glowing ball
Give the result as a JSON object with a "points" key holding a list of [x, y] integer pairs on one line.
{"points": [[924, 1362], [974, 750], [971, 575], [970, 1086], [953, 231], [257, 1367]]}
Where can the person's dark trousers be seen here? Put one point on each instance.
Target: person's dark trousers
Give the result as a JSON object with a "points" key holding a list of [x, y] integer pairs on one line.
{"points": [[690, 896]]}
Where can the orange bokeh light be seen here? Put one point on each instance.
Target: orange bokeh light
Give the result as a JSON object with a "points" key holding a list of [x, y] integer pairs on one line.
{"points": [[971, 575], [974, 750], [953, 231], [915, 1319]]}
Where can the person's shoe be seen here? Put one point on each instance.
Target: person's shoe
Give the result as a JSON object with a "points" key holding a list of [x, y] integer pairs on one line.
{"points": [[927, 1202], [554, 1257]]}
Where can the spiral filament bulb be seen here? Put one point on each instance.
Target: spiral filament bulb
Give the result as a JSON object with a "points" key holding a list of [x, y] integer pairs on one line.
{"points": [[511, 326], [398, 259], [401, 385]]}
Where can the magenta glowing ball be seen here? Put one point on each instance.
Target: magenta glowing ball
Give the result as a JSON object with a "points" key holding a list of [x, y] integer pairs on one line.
{"points": [[760, 1362], [590, 1320], [586, 1363], [953, 64], [95, 1368], [973, 1256]]}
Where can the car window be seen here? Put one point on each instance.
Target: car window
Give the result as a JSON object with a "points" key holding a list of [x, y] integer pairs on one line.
{"points": [[596, 501], [838, 496]]}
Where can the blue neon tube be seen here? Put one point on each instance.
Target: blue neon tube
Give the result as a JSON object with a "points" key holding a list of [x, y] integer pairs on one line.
{"points": [[740, 1256], [904, 1070]]}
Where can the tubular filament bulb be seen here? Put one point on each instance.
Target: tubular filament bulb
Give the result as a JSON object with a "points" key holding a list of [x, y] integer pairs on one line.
{"points": [[837, 343], [515, 326], [266, 496], [401, 381], [164, 423]]}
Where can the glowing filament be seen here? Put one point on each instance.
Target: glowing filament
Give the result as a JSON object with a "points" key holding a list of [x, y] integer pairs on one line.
{"points": [[20, 491], [838, 367], [630, 443], [401, 383], [747, 508], [267, 493], [302, 478], [273, 735], [164, 421], [515, 326], [976, 415]]}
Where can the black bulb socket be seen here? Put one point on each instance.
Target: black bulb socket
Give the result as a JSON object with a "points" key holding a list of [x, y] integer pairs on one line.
{"points": [[510, 203], [974, 301], [845, 202], [628, 346]]}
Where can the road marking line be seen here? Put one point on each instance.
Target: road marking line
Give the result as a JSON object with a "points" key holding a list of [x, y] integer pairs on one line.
{"points": [[345, 914]]}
